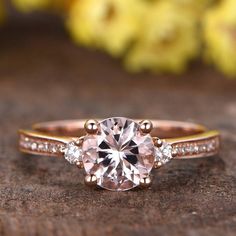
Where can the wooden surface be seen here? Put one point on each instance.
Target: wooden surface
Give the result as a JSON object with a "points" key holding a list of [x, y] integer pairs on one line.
{"points": [[43, 76]]}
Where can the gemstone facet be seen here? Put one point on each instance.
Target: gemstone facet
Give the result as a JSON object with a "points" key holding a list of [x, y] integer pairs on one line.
{"points": [[72, 153], [164, 153], [119, 155]]}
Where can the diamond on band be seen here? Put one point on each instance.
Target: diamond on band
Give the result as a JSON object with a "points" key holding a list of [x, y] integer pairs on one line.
{"points": [[164, 154], [72, 153], [118, 153]]}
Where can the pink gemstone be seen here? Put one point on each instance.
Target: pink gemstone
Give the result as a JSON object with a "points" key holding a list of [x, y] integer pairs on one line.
{"points": [[119, 155]]}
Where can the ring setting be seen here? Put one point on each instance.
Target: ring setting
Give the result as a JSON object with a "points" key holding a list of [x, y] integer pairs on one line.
{"points": [[118, 153]]}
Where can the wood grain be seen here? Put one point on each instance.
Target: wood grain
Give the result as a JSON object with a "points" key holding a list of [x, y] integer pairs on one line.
{"points": [[43, 76]]}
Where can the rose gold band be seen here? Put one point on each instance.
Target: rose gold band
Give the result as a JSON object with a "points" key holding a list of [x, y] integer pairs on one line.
{"points": [[187, 139]]}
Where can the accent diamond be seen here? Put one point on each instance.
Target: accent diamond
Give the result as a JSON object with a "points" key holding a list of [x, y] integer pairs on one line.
{"points": [[164, 153], [119, 155], [72, 153]]}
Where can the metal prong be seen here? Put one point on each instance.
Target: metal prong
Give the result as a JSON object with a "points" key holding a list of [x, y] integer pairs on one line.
{"points": [[157, 164], [174, 152], [146, 126], [145, 182], [80, 164], [90, 180], [91, 126], [158, 142], [63, 148], [79, 141]]}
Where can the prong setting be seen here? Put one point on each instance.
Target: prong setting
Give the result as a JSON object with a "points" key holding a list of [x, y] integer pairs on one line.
{"points": [[91, 126], [80, 164], [158, 142], [146, 126], [145, 182], [174, 153], [126, 134], [90, 180], [79, 141], [157, 164]]}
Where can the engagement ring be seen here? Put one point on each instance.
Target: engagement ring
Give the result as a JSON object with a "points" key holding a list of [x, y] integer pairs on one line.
{"points": [[119, 153]]}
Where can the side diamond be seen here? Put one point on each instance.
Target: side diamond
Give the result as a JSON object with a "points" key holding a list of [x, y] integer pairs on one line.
{"points": [[163, 154], [72, 153]]}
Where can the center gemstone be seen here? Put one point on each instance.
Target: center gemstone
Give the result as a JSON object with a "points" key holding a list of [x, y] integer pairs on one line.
{"points": [[119, 155]]}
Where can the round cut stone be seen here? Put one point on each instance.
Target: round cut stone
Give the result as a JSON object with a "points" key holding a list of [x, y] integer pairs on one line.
{"points": [[119, 155], [72, 153], [164, 153]]}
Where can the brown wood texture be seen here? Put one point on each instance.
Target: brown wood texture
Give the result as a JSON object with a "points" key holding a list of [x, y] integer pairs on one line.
{"points": [[43, 76]]}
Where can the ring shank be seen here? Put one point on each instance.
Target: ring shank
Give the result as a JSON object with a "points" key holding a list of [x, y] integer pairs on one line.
{"points": [[161, 128], [188, 139]]}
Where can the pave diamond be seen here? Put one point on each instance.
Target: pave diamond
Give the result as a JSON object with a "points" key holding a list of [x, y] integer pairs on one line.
{"points": [[119, 155], [72, 153], [164, 153]]}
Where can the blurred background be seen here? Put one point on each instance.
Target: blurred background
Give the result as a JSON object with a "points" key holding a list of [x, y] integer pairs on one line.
{"points": [[167, 59], [164, 59], [145, 35]]}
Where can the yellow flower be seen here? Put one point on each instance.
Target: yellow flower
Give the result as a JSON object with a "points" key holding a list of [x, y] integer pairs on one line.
{"points": [[106, 24], [220, 36], [168, 39], [30, 5], [194, 7]]}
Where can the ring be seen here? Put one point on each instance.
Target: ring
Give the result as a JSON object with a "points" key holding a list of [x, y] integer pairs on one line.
{"points": [[119, 153]]}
